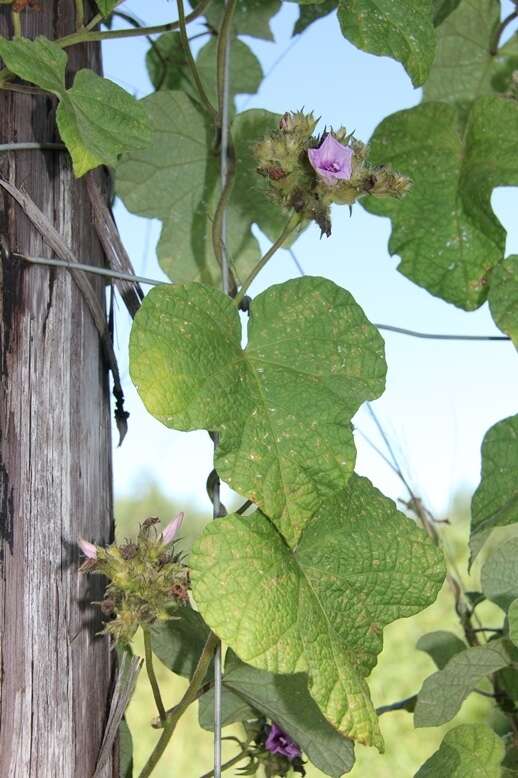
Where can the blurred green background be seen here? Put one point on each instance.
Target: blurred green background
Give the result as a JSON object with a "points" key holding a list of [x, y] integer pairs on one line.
{"points": [[400, 671]]}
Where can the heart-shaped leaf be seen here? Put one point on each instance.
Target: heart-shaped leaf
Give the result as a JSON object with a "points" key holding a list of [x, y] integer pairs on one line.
{"points": [[468, 751], [282, 406], [320, 607]]}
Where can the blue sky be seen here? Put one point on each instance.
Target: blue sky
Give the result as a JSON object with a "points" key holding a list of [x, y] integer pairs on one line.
{"points": [[441, 397]]}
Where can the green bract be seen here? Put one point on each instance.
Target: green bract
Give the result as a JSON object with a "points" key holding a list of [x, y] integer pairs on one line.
{"points": [[176, 179], [503, 297], [444, 229], [468, 751], [444, 692], [248, 692], [495, 503], [283, 406], [402, 29], [318, 606], [97, 120]]}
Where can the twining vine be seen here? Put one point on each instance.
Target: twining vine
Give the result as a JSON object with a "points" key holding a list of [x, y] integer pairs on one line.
{"points": [[296, 587]]}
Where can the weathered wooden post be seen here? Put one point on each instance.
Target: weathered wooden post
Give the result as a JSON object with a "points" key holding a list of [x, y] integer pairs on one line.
{"points": [[55, 449]]}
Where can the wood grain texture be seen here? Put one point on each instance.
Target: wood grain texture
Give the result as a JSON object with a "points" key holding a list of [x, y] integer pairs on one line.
{"points": [[55, 453]]}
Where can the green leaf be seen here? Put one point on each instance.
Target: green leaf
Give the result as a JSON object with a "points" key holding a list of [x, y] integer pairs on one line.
{"points": [[499, 574], [98, 121], [463, 64], [166, 63], [285, 700], [512, 615], [178, 643], [125, 751], [442, 9], [283, 406], [468, 751], [495, 503], [312, 13], [321, 607], [234, 709], [401, 29], [444, 229], [176, 179], [443, 693], [106, 6], [503, 297], [39, 61], [441, 646], [251, 17]]}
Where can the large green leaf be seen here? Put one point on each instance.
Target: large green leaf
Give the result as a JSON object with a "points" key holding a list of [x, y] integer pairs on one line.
{"points": [[441, 646], [463, 65], [503, 297], [284, 699], [444, 229], [97, 120], [251, 17], [283, 406], [495, 503], [125, 751], [468, 751], [321, 606], [402, 29], [443, 692], [168, 68], [499, 574], [311, 13], [176, 179]]}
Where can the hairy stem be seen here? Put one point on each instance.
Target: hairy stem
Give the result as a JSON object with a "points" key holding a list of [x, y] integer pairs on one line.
{"points": [[192, 64], [148, 652], [222, 56], [87, 35], [231, 762], [80, 14], [189, 696], [291, 225], [17, 24]]}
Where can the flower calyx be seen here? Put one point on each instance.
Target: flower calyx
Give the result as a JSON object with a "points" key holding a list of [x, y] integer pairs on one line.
{"points": [[308, 173]]}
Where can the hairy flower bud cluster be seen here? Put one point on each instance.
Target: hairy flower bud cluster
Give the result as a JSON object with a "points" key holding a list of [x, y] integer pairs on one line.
{"points": [[147, 579], [308, 173]]}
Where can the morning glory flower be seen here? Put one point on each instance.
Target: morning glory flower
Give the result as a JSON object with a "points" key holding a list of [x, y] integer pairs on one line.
{"points": [[169, 533], [278, 742], [332, 161], [88, 549]]}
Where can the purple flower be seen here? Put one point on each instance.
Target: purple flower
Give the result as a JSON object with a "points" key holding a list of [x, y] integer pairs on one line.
{"points": [[88, 549], [278, 742], [332, 161], [169, 533]]}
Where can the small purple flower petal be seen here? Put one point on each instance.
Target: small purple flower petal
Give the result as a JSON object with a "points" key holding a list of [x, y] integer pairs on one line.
{"points": [[169, 533], [278, 742], [332, 161], [88, 549]]}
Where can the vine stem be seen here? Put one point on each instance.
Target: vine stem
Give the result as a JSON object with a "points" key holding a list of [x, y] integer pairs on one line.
{"points": [[80, 14], [148, 653], [189, 696], [231, 762], [291, 225], [87, 35], [17, 24], [500, 31], [192, 64]]}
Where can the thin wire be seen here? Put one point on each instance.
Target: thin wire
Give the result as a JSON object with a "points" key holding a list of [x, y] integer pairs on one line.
{"points": [[155, 282], [225, 116]]}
